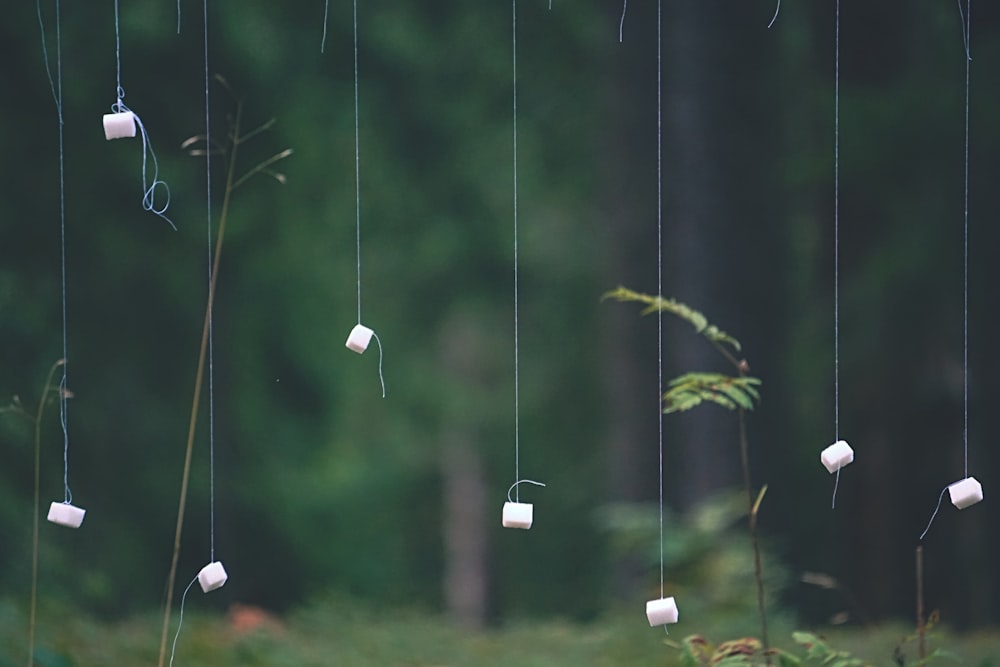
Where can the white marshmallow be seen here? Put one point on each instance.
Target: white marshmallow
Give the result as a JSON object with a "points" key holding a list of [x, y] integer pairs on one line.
{"points": [[965, 492], [66, 515], [359, 339], [212, 576], [118, 125], [836, 456], [661, 612], [517, 515]]}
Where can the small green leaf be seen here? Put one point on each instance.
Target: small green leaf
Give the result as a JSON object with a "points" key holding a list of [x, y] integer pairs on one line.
{"points": [[692, 389], [674, 307], [786, 659], [696, 651], [737, 651]]}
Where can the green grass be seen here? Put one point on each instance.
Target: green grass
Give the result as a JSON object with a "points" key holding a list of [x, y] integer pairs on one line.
{"points": [[342, 634]]}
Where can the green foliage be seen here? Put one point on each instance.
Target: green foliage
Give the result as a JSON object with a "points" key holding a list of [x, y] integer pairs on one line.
{"points": [[692, 389], [696, 651], [674, 307], [918, 640], [705, 556], [819, 652]]}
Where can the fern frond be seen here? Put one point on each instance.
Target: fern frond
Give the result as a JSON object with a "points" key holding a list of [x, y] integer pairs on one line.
{"points": [[693, 389], [678, 309]]}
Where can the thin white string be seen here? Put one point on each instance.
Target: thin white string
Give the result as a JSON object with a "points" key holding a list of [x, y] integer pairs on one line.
{"points": [[149, 192], [966, 17], [380, 377], [118, 56], [517, 370], [55, 85], [621, 23], [836, 230], [63, 382], [775, 17], [180, 621], [836, 243], [211, 300], [326, 16], [967, 37], [659, 256], [515, 485], [934, 515], [178, 17], [966, 28], [357, 158]]}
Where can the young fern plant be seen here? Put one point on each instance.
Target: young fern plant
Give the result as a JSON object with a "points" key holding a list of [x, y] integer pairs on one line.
{"points": [[692, 389], [696, 651], [740, 393], [737, 392]]}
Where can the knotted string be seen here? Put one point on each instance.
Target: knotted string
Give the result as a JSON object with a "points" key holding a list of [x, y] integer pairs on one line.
{"points": [[148, 155]]}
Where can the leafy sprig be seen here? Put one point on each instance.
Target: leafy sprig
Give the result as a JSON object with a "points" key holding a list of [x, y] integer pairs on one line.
{"points": [[693, 389], [681, 310]]}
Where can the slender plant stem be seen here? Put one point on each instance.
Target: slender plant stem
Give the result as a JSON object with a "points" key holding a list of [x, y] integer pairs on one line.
{"points": [[34, 537], [758, 567], [921, 623], [199, 376], [743, 367]]}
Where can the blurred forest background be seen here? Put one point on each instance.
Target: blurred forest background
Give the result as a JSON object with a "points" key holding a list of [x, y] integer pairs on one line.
{"points": [[323, 488]]}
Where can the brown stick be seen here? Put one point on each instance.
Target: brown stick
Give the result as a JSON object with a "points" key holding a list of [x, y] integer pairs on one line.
{"points": [[185, 476], [921, 623], [34, 536], [758, 566]]}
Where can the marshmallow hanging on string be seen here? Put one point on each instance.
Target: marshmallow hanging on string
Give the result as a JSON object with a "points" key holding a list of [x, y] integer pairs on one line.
{"points": [[836, 456], [966, 491], [839, 454], [360, 336], [66, 514], [515, 513], [358, 341], [121, 123], [61, 513], [662, 611], [212, 576], [963, 493]]}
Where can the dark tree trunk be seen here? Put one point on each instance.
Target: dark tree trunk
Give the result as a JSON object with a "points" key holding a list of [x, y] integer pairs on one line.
{"points": [[465, 533]]}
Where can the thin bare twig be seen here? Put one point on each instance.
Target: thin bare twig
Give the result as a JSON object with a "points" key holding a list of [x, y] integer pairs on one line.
{"points": [[17, 408], [231, 183]]}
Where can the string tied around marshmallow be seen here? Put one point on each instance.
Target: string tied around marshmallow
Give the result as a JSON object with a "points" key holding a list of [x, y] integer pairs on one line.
{"points": [[358, 341], [122, 123], [964, 493], [518, 483], [381, 378], [180, 621]]}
